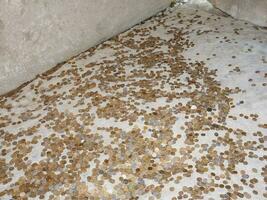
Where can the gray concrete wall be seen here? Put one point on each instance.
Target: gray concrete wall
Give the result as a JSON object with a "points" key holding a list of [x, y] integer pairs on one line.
{"points": [[254, 11], [35, 35]]}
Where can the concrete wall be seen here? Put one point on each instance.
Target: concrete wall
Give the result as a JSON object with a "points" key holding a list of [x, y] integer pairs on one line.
{"points": [[35, 35], [254, 11]]}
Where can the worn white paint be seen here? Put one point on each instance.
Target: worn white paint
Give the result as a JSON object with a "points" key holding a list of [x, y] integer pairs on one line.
{"points": [[36, 35]]}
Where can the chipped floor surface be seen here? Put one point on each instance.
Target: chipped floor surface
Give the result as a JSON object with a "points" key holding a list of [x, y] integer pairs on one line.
{"points": [[175, 108]]}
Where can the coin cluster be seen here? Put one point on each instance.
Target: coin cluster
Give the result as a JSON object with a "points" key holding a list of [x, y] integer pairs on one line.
{"points": [[132, 118]]}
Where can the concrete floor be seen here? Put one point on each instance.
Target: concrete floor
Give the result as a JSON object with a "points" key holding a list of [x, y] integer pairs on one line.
{"points": [[174, 108]]}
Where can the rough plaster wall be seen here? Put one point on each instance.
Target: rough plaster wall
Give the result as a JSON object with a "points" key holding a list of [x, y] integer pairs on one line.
{"points": [[36, 35], [254, 11]]}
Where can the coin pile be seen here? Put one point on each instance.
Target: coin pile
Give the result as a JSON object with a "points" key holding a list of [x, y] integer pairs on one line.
{"points": [[133, 119]]}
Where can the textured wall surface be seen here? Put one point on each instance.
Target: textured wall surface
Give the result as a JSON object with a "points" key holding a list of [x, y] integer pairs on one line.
{"points": [[254, 11], [36, 35]]}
